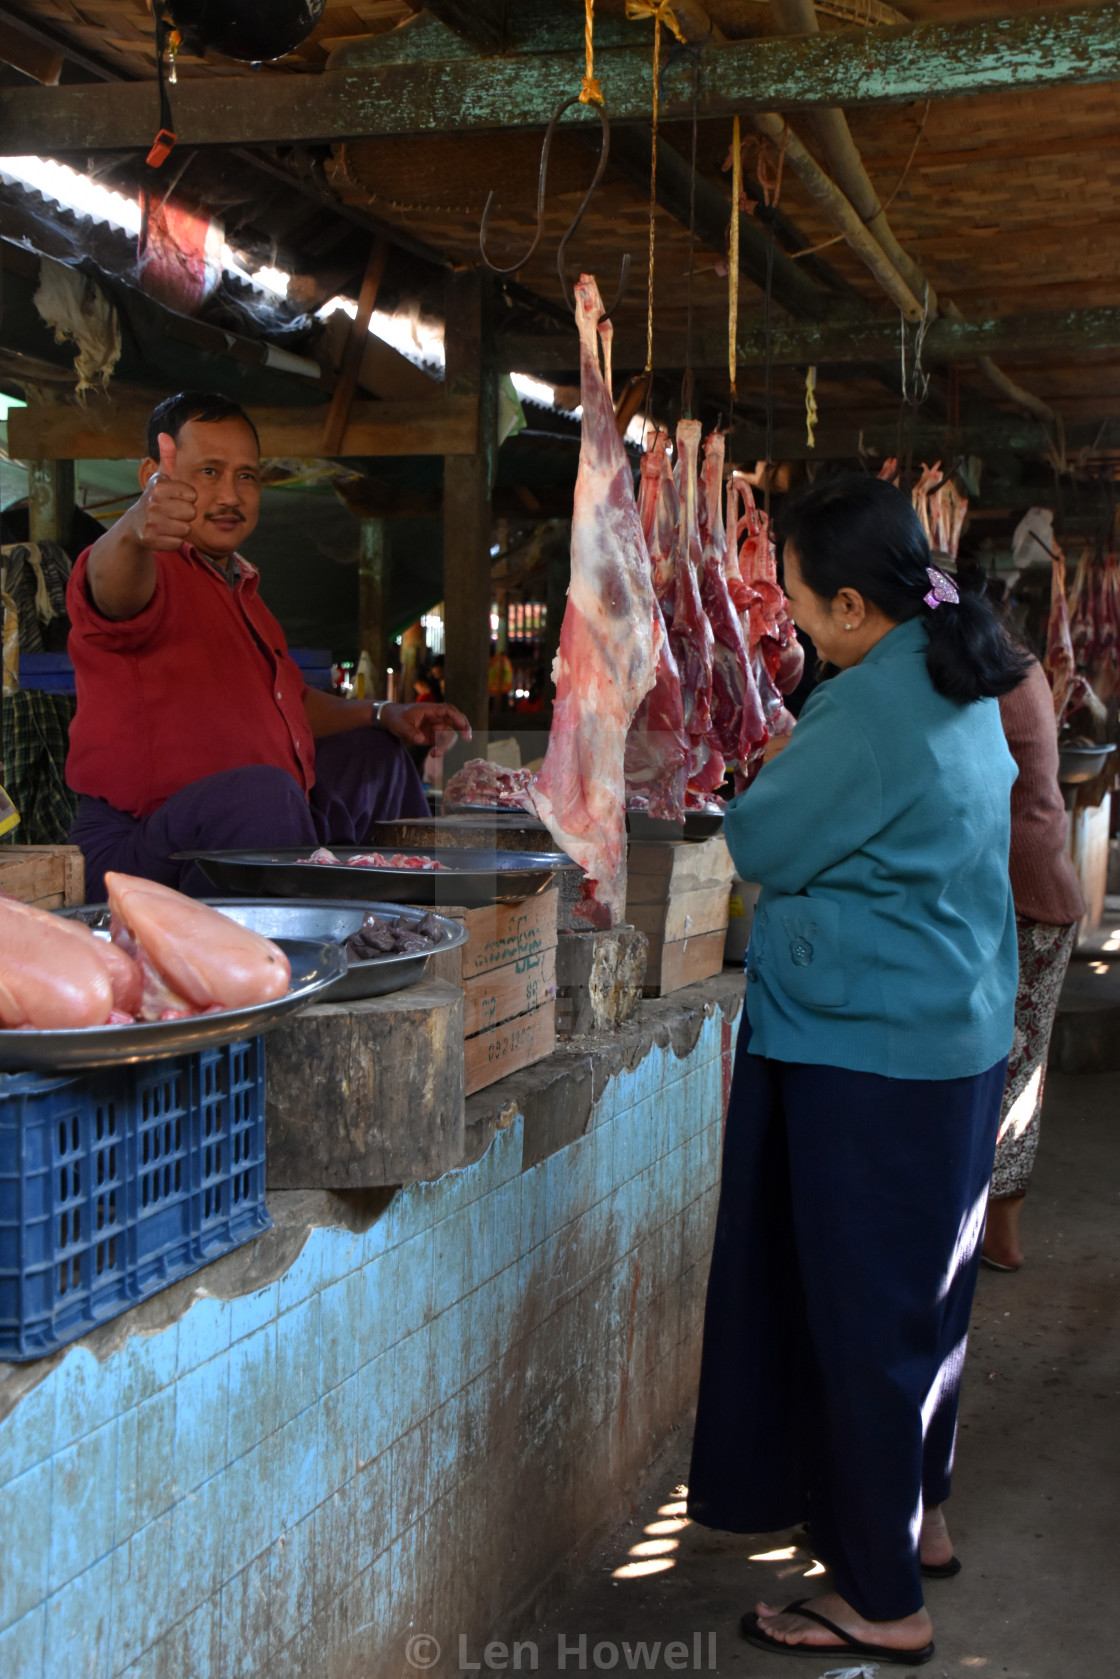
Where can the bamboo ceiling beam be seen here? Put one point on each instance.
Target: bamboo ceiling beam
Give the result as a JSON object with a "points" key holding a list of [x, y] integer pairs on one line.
{"points": [[793, 290], [930, 441], [844, 160], [1032, 49], [840, 340], [114, 430]]}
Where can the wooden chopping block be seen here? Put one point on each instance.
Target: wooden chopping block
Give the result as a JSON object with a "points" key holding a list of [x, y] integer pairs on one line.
{"points": [[367, 1093], [598, 979]]}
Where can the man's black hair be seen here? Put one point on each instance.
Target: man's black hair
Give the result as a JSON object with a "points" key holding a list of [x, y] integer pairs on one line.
{"points": [[174, 412]]}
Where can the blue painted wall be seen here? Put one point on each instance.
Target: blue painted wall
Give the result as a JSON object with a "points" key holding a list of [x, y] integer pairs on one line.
{"points": [[407, 1432]]}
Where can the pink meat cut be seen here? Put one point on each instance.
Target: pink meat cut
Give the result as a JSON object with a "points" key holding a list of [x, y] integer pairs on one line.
{"points": [[660, 512], [1058, 662], [657, 747], [738, 724], [481, 783], [771, 638], [191, 957], [609, 642], [690, 633], [52, 974]]}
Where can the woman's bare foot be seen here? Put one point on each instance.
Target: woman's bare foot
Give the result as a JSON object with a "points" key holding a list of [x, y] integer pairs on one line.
{"points": [[912, 1633], [936, 1547], [1001, 1231]]}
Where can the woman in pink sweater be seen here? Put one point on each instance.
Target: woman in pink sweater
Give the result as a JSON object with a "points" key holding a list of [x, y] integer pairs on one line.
{"points": [[1048, 906]]}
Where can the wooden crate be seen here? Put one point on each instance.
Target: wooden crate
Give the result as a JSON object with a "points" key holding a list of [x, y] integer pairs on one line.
{"points": [[50, 876], [508, 975], [678, 894]]}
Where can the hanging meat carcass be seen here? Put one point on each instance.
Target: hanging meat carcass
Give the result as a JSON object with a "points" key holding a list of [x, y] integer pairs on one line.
{"points": [[660, 513], [738, 724], [1104, 673], [954, 512], [920, 494], [1082, 613], [1068, 688], [772, 638], [690, 632], [658, 754], [609, 641]]}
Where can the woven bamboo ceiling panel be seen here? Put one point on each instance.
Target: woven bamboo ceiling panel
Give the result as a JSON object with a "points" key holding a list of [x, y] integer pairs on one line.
{"points": [[1010, 203]]}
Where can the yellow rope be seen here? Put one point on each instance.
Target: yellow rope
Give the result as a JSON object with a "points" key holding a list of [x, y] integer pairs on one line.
{"points": [[653, 192], [590, 89], [733, 260], [811, 407], [661, 11]]}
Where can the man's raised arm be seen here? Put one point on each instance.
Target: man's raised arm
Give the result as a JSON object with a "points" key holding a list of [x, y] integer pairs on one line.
{"points": [[122, 567]]}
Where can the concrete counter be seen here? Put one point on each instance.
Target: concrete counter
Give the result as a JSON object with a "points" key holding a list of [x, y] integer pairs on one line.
{"points": [[263, 1470]]}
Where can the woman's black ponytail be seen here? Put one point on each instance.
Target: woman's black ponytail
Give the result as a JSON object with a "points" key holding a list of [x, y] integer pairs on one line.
{"points": [[859, 533], [971, 655]]}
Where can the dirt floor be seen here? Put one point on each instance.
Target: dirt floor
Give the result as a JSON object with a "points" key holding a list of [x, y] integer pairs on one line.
{"points": [[1036, 1511]]}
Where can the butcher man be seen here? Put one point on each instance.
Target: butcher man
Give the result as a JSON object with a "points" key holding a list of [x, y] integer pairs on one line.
{"points": [[194, 729]]}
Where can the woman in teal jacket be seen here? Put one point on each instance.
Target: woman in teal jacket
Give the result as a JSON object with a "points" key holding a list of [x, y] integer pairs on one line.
{"points": [[862, 1122]]}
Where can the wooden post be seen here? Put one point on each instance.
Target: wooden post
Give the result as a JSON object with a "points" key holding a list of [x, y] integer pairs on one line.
{"points": [[467, 483], [373, 625], [412, 644], [341, 402], [50, 500]]}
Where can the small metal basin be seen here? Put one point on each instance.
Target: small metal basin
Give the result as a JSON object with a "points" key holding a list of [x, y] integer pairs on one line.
{"points": [[1081, 763]]}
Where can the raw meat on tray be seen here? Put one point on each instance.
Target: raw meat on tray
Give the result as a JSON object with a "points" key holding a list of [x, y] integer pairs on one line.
{"points": [[482, 783], [48, 978], [377, 860], [169, 957], [609, 641], [192, 959]]}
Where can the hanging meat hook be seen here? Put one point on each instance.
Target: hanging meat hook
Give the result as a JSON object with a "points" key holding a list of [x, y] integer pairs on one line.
{"points": [[542, 182]]}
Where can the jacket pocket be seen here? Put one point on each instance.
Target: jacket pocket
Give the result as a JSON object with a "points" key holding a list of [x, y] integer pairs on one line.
{"points": [[803, 951]]}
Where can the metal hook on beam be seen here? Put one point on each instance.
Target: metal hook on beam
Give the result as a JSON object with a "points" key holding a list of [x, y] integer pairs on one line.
{"points": [[542, 182]]}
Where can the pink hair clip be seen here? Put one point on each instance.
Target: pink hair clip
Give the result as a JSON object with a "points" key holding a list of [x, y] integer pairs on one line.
{"points": [[944, 589]]}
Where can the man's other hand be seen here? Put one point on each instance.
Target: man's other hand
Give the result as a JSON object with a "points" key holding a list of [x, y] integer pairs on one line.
{"points": [[434, 726]]}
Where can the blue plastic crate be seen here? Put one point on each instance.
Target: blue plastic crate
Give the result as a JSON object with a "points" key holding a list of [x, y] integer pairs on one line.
{"points": [[115, 1183]]}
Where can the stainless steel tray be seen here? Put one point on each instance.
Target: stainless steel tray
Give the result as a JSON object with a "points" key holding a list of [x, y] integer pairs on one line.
{"points": [[315, 965], [332, 921], [473, 876], [490, 816]]}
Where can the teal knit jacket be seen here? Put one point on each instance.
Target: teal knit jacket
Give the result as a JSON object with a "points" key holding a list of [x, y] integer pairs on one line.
{"points": [[884, 938]]}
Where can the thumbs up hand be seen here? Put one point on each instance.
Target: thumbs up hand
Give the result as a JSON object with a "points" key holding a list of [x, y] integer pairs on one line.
{"points": [[165, 513]]}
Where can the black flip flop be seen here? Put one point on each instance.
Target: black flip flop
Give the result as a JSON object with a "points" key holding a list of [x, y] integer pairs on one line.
{"points": [[942, 1570], [751, 1628]]}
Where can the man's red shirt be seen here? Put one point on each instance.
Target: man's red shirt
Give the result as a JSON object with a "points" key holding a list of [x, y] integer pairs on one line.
{"points": [[198, 682]]}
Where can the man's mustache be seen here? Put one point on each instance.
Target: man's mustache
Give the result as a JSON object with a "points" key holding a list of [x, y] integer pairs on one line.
{"points": [[226, 513]]}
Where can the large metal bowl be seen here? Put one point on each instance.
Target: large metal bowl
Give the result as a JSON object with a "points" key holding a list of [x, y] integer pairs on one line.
{"points": [[332, 921], [470, 877], [315, 966]]}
